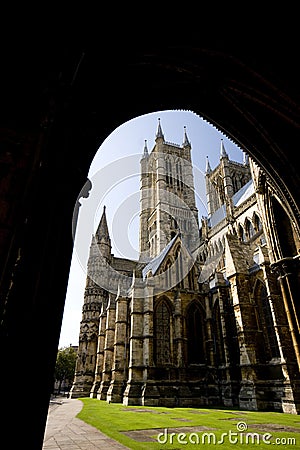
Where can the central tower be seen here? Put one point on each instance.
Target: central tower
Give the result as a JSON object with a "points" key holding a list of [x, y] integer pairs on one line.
{"points": [[167, 196]]}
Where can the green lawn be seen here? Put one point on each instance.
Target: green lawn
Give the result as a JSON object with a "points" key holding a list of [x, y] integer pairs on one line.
{"points": [[213, 427]]}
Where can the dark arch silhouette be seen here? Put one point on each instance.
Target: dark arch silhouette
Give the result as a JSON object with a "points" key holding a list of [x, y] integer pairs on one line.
{"points": [[59, 102]]}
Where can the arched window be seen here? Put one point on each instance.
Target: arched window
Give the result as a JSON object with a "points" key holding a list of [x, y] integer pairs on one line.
{"points": [[286, 236], [257, 223], [218, 335], [266, 324], [178, 175], [162, 334], [220, 189], [241, 233], [168, 272], [169, 178], [179, 268], [195, 334], [249, 229]]}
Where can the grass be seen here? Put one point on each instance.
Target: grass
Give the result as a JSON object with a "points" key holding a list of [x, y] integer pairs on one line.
{"points": [[114, 419]]}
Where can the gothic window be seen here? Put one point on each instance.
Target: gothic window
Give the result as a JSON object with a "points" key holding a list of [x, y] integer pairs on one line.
{"points": [[221, 263], [178, 175], [266, 324], [153, 245], [195, 334], [249, 229], [168, 273], [162, 334], [241, 233], [257, 223], [285, 232], [178, 263], [173, 226], [258, 227], [191, 279], [220, 189], [218, 335], [234, 184], [169, 179]]}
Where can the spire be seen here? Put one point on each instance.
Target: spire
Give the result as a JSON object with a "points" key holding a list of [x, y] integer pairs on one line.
{"points": [[145, 150], [208, 168], [223, 153], [102, 230], [186, 142], [159, 133]]}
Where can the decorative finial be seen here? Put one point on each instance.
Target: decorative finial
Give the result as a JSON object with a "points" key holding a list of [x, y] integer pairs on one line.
{"points": [[208, 168], [146, 149], [223, 153], [159, 133]]}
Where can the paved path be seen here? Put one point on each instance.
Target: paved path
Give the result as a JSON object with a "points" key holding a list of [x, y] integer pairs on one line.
{"points": [[65, 432]]}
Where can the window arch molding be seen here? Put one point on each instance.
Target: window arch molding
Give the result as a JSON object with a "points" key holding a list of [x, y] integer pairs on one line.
{"points": [[195, 333], [248, 226], [163, 331]]}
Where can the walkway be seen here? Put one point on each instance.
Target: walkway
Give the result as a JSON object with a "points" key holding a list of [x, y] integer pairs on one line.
{"points": [[65, 432]]}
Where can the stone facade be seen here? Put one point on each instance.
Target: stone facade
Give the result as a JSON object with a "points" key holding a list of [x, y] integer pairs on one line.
{"points": [[207, 316]]}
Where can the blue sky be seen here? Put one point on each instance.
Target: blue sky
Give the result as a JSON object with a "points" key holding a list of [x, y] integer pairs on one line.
{"points": [[114, 174]]}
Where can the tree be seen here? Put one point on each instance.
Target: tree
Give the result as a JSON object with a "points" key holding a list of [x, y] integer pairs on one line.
{"points": [[65, 366]]}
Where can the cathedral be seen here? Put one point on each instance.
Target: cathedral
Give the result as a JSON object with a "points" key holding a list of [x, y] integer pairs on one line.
{"points": [[207, 316]]}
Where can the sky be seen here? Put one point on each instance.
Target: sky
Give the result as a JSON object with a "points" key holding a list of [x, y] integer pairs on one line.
{"points": [[115, 184]]}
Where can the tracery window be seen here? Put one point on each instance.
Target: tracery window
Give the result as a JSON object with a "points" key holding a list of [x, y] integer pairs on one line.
{"points": [[220, 189], [257, 223], [218, 340], [169, 274], [169, 178], [179, 175], [195, 334], [250, 229], [241, 233], [178, 267], [162, 334]]}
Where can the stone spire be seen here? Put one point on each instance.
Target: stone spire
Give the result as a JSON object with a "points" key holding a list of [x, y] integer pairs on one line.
{"points": [[102, 235], [159, 133], [102, 230], [186, 142], [223, 153], [146, 154], [208, 168]]}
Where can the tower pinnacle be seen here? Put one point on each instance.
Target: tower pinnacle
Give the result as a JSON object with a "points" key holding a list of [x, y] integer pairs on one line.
{"points": [[159, 133], [145, 149], [102, 230], [223, 153], [102, 236], [186, 142], [208, 168]]}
